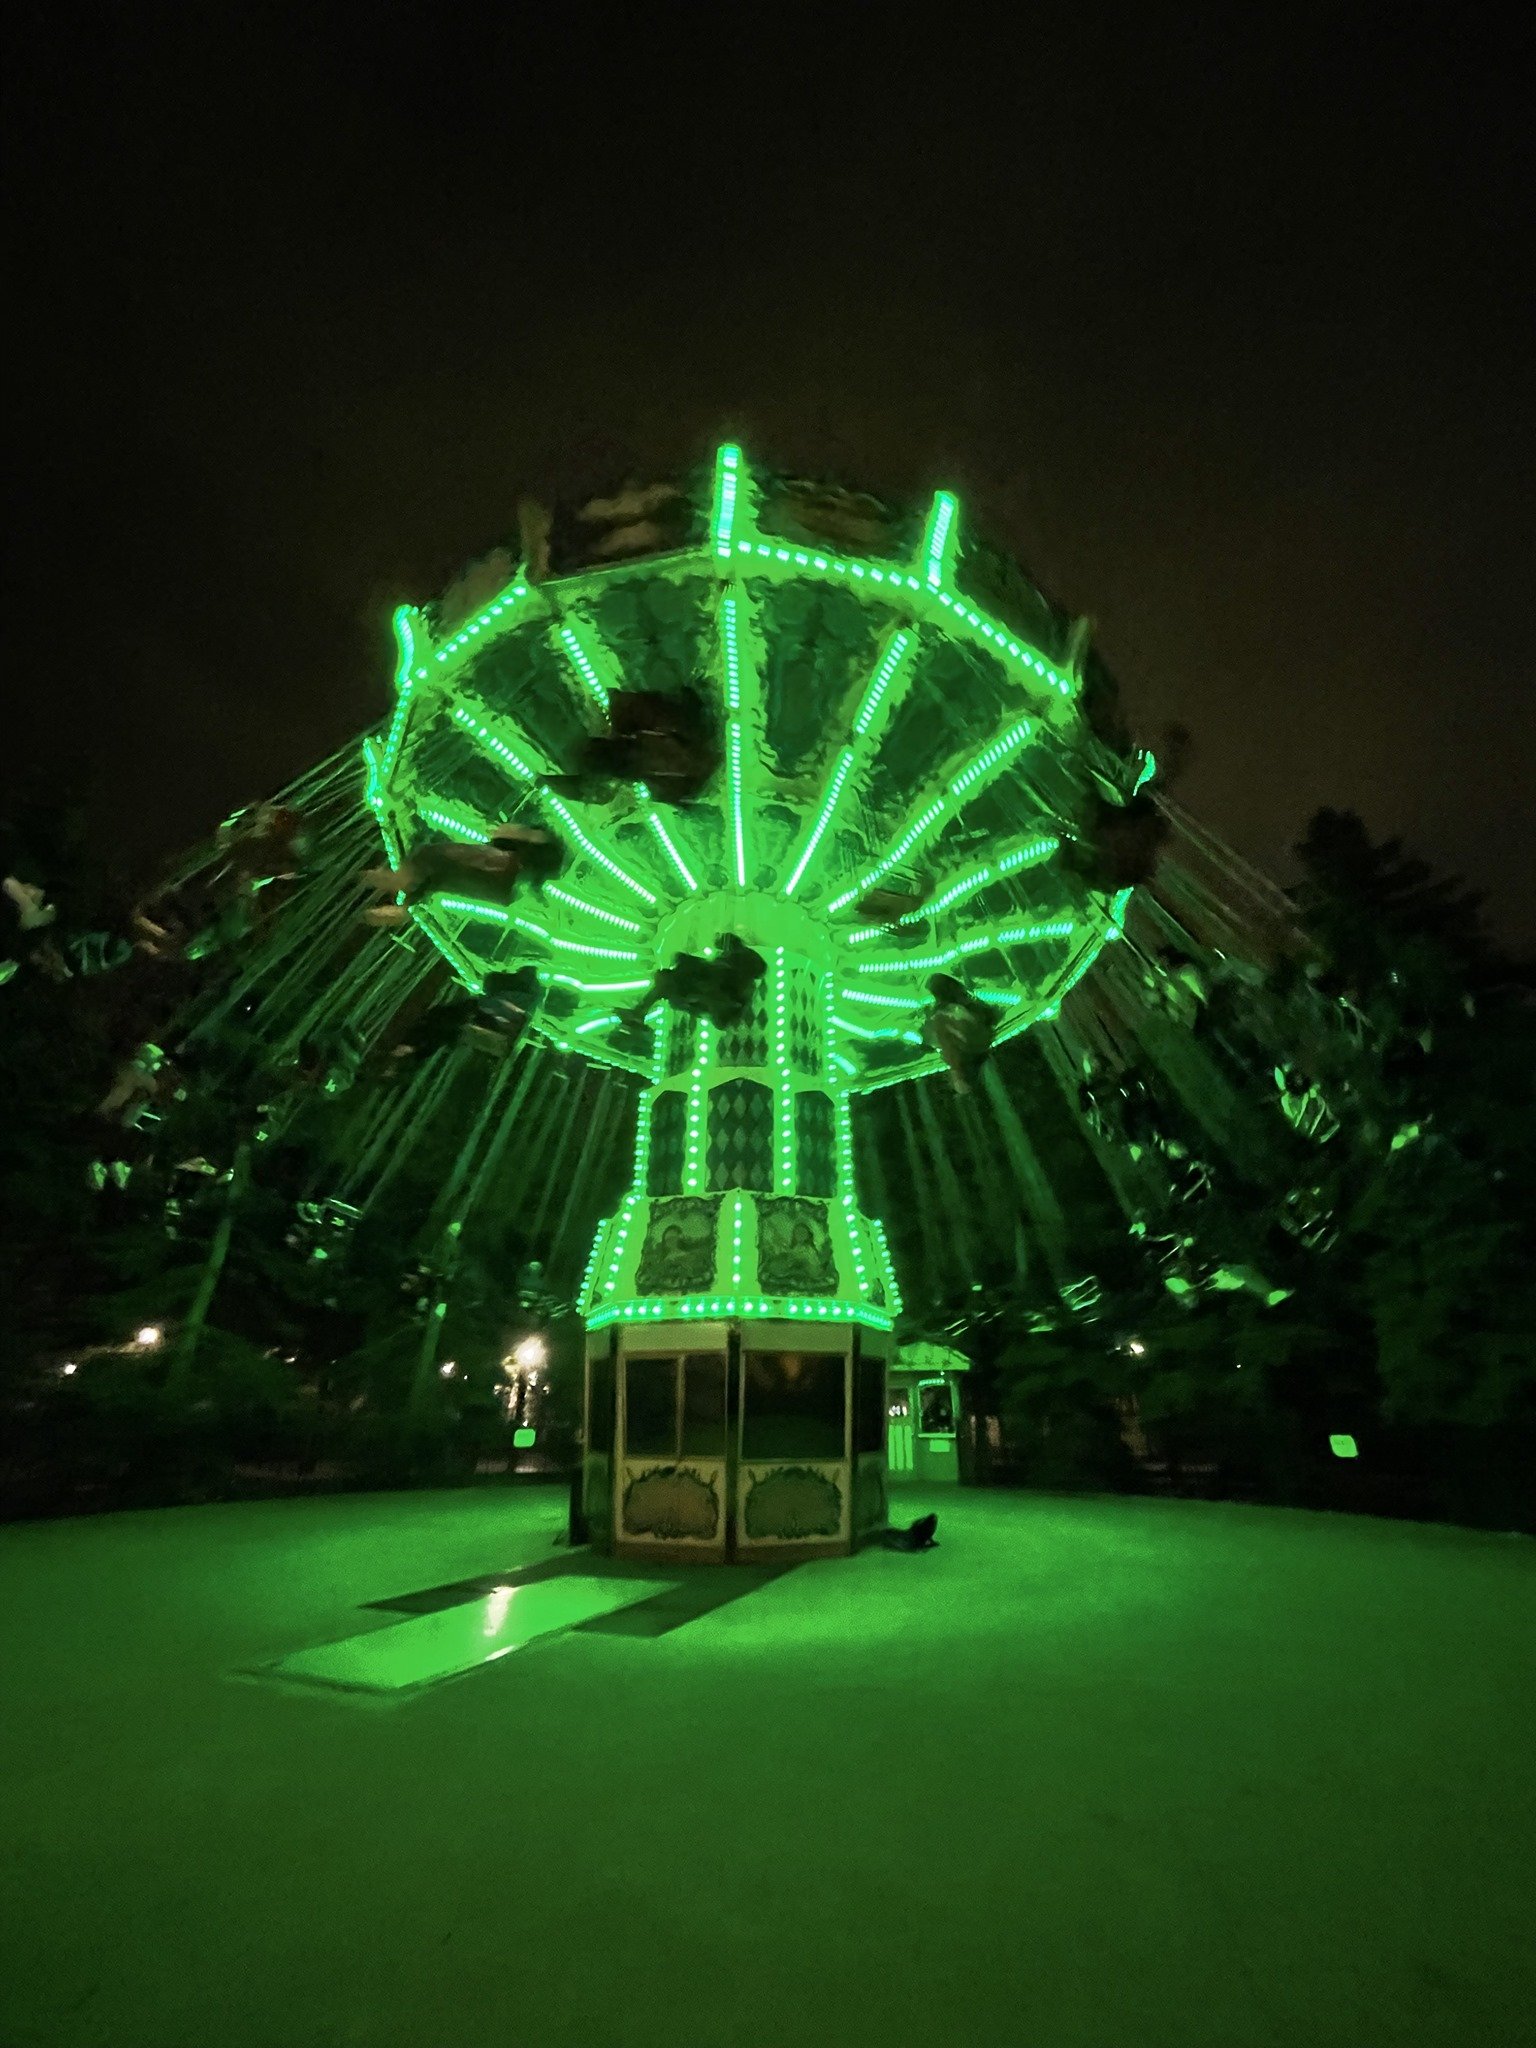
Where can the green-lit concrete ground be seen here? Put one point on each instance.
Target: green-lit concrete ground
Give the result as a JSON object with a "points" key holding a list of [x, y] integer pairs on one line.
{"points": [[1102, 1772]]}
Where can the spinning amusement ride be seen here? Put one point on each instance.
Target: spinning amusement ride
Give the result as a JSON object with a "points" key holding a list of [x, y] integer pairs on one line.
{"points": [[755, 871]]}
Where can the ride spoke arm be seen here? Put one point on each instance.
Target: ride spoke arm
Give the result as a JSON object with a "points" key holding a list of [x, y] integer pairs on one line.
{"points": [[1012, 858], [598, 673], [881, 696], [506, 744], [940, 806], [998, 937], [740, 682]]}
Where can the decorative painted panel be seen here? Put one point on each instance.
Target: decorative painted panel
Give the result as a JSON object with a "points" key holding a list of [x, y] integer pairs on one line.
{"points": [[678, 1256], [794, 1247], [672, 1503], [792, 1503]]}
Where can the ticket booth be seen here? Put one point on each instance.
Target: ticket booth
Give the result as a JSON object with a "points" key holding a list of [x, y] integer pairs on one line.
{"points": [[737, 1441], [923, 1414]]}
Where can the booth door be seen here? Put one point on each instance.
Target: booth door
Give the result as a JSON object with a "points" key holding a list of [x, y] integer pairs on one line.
{"points": [[673, 1472]]}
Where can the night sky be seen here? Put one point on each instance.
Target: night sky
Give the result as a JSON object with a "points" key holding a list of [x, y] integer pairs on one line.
{"points": [[1226, 337]]}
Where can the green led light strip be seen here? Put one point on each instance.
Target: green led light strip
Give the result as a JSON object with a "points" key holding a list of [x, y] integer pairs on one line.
{"points": [[490, 743], [527, 769], [939, 539], [861, 995], [783, 1088], [882, 1035], [996, 639], [749, 1308], [731, 661], [627, 1210], [840, 774], [851, 1224], [373, 786], [728, 480], [988, 763], [980, 942], [967, 885], [373, 796], [584, 1291], [875, 694], [690, 883], [993, 756], [738, 823], [486, 626], [599, 675], [406, 679], [855, 1223], [567, 818], [624, 924], [892, 1291], [581, 660], [738, 1219], [842, 1138], [590, 988], [1046, 1013], [881, 681], [456, 826], [697, 1125], [492, 913], [918, 830], [730, 647]]}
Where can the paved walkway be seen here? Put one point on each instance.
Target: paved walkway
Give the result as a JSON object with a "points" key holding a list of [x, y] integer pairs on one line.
{"points": [[1103, 1772]]}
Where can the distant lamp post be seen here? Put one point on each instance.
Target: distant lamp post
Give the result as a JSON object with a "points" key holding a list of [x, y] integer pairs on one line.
{"points": [[530, 1353], [150, 1337]]}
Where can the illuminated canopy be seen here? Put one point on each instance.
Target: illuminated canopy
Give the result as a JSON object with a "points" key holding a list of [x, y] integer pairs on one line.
{"points": [[880, 731]]}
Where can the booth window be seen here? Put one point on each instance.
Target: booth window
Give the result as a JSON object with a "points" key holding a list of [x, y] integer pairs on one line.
{"points": [[792, 1405], [674, 1407], [869, 1404], [600, 1418], [936, 1409], [703, 1434]]}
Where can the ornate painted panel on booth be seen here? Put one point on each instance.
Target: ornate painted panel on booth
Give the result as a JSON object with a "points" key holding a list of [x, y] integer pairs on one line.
{"points": [[782, 1504], [673, 1503]]}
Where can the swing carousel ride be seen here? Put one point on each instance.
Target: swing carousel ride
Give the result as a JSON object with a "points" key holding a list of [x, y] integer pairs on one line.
{"points": [[744, 872]]}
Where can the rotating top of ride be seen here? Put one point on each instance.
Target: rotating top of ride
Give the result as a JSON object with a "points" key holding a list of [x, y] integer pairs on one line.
{"points": [[898, 759]]}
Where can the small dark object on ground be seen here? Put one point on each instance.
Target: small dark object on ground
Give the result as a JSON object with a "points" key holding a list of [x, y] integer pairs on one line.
{"points": [[919, 1537], [576, 1530]]}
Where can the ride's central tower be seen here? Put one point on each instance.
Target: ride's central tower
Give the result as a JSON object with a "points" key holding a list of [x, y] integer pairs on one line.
{"points": [[739, 1304], [743, 1201]]}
